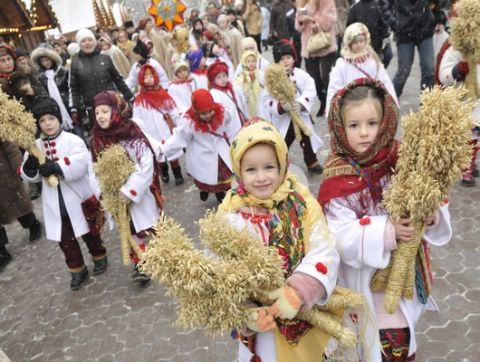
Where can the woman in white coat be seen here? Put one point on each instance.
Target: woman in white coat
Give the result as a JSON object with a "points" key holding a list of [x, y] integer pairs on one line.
{"points": [[67, 159], [142, 189], [206, 135]]}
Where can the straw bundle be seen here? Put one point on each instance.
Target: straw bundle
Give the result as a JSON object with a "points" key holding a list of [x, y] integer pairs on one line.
{"points": [[113, 168], [214, 292], [465, 37], [283, 90], [18, 126], [432, 156]]}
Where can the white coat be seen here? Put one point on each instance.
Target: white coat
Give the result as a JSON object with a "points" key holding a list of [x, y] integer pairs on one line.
{"points": [[450, 59], [203, 149], [132, 79], [226, 100], [362, 251], [144, 210], [181, 91], [320, 251], [71, 154], [262, 65], [152, 123], [306, 95], [344, 72]]}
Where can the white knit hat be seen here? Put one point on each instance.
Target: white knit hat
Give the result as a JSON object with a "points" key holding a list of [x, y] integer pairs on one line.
{"points": [[84, 33], [178, 61]]}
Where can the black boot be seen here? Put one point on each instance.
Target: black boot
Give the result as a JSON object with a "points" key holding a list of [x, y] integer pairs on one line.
{"points": [[5, 257], [177, 172], [35, 231], [220, 196], [100, 265], [203, 195], [315, 168], [139, 278], [165, 177], [78, 278]]}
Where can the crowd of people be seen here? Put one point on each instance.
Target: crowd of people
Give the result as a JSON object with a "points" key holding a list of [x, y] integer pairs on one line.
{"points": [[202, 93]]}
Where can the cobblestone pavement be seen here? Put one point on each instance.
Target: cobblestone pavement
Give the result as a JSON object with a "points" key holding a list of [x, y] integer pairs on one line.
{"points": [[110, 319]]}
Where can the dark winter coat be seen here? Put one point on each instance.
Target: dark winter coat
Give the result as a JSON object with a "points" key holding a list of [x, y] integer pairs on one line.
{"points": [[61, 80], [15, 201], [368, 13], [412, 20], [278, 19], [89, 75]]}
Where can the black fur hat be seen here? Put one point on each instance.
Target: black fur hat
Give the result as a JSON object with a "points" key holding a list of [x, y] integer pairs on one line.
{"points": [[283, 47], [141, 49], [45, 105]]}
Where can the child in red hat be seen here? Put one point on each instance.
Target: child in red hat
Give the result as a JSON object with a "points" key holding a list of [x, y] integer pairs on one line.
{"points": [[206, 134], [231, 96]]}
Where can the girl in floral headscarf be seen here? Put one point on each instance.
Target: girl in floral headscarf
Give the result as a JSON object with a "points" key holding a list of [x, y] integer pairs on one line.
{"points": [[142, 189], [358, 60], [363, 121], [271, 204]]}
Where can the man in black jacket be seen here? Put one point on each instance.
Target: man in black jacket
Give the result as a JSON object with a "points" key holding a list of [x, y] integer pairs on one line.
{"points": [[413, 23], [91, 73]]}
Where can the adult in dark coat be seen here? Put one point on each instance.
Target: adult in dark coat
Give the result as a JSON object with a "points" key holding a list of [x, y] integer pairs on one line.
{"points": [[368, 13], [90, 73], [15, 203], [413, 23], [278, 19]]}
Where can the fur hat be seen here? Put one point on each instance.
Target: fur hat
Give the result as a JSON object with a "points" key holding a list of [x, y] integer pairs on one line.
{"points": [[141, 49], [18, 79], [45, 105], [6, 49], [128, 24], [83, 34], [281, 48], [21, 53], [47, 52], [215, 69]]}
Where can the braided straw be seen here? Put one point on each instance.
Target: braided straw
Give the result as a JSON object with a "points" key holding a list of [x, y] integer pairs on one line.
{"points": [[113, 168], [213, 292], [433, 154], [18, 126], [283, 90]]}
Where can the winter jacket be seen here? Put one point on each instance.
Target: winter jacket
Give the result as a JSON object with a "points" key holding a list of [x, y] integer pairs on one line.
{"points": [[253, 20], [278, 19], [368, 13], [91, 74], [412, 20]]}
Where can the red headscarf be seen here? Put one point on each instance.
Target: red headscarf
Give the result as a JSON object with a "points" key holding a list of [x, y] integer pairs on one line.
{"points": [[153, 96], [347, 171], [202, 102], [215, 69]]}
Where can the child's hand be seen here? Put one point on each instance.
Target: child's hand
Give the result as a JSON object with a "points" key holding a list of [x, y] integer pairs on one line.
{"points": [[287, 302], [432, 219], [260, 321], [403, 230]]}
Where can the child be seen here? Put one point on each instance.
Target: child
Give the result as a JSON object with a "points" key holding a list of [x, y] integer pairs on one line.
{"points": [[214, 53], [250, 81], [156, 114], [142, 189], [249, 44], [67, 159], [231, 96], [363, 121], [181, 89], [205, 133], [358, 60], [272, 205], [284, 54]]}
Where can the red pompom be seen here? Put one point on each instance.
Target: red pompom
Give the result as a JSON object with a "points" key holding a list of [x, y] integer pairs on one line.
{"points": [[445, 200], [321, 268], [54, 151], [67, 161], [133, 192], [364, 221], [53, 144], [48, 153]]}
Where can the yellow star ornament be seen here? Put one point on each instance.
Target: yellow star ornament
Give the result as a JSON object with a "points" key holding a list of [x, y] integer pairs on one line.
{"points": [[167, 13]]}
